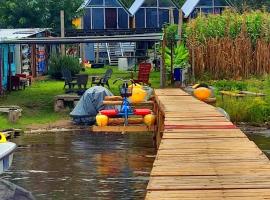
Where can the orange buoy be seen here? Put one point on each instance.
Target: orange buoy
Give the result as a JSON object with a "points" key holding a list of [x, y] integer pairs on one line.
{"points": [[202, 93], [102, 120]]}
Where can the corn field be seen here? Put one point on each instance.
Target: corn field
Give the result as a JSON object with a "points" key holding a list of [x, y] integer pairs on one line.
{"points": [[230, 45]]}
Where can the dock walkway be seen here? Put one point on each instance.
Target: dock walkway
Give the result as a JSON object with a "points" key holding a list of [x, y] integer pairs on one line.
{"points": [[202, 155]]}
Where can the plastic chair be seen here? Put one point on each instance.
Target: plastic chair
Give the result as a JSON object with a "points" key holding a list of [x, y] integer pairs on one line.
{"points": [[69, 80], [104, 80], [143, 74], [82, 80]]}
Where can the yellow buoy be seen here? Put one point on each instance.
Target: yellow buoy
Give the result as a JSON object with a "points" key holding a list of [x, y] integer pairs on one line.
{"points": [[102, 120], [3, 138], [138, 95], [149, 119], [202, 93]]}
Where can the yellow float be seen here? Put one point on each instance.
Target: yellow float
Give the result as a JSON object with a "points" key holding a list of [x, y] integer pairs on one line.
{"points": [[102, 120], [202, 93], [149, 119], [138, 95], [3, 138]]}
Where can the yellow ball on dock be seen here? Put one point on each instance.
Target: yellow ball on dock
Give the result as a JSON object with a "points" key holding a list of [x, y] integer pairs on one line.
{"points": [[149, 119], [202, 93], [102, 120]]}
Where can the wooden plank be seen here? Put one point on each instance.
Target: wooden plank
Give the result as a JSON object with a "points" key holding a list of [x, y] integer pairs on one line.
{"points": [[204, 134], [67, 97], [121, 129], [235, 194], [209, 182]]}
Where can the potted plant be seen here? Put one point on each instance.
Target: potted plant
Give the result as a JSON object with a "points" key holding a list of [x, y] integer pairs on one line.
{"points": [[180, 61]]}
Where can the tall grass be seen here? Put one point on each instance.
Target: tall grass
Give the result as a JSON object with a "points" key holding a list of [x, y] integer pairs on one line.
{"points": [[230, 45]]}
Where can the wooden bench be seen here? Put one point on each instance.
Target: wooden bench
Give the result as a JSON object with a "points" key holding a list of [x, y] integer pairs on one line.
{"points": [[241, 94], [14, 112], [59, 101]]}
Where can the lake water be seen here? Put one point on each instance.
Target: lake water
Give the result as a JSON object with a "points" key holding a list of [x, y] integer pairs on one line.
{"points": [[81, 166], [73, 166]]}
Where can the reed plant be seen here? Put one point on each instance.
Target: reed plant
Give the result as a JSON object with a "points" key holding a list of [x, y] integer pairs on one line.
{"points": [[230, 45]]}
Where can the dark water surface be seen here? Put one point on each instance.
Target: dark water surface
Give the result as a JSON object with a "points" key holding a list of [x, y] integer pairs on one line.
{"points": [[74, 166], [261, 136]]}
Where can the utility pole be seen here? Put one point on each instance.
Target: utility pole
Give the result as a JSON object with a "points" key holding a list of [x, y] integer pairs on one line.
{"points": [[62, 18]]}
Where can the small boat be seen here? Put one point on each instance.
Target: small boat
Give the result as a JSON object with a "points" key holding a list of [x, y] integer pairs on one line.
{"points": [[6, 155]]}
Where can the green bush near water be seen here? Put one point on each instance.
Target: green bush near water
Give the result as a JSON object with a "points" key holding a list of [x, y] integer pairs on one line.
{"points": [[245, 109]]}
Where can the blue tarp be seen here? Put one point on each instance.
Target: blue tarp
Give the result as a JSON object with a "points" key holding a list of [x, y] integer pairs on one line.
{"points": [[90, 104]]}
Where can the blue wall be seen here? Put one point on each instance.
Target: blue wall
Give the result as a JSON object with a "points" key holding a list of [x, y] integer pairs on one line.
{"points": [[4, 63]]}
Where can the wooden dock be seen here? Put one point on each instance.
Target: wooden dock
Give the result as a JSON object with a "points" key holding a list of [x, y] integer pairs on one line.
{"points": [[202, 155]]}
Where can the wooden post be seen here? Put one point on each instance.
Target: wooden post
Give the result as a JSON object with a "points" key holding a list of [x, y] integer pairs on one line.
{"points": [[171, 16], [13, 116], [163, 66], [172, 46], [180, 26], [82, 45], [97, 56], [62, 18], [193, 61]]}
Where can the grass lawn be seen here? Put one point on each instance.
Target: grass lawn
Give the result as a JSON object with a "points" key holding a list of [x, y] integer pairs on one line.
{"points": [[37, 100]]}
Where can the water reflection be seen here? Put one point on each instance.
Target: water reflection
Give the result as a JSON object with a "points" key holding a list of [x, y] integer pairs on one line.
{"points": [[83, 165]]}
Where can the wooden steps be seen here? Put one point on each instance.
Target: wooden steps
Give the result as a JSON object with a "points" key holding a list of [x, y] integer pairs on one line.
{"points": [[202, 155]]}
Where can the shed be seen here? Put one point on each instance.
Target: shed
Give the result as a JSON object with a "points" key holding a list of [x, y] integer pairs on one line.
{"points": [[154, 13], [192, 8], [17, 58], [105, 14]]}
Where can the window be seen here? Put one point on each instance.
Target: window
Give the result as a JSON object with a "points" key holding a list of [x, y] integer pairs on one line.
{"points": [[163, 17], [111, 18], [87, 19], [95, 3], [165, 3], [122, 18], [151, 18], [150, 3], [175, 16], [98, 18], [112, 3], [140, 18]]}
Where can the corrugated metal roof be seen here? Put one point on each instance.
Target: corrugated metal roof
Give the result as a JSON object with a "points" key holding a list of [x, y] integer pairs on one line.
{"points": [[87, 39], [189, 6], [11, 34]]}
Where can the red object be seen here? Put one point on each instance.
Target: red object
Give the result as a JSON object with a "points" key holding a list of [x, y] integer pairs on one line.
{"points": [[142, 112], [144, 73], [25, 76], [109, 113]]}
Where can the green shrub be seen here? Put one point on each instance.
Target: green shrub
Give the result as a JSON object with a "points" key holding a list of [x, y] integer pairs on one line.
{"points": [[230, 85], [57, 63]]}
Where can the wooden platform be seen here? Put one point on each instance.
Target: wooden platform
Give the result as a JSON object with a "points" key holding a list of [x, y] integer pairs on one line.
{"points": [[202, 155]]}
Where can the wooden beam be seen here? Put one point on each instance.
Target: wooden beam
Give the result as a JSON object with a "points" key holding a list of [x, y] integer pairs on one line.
{"points": [[121, 129]]}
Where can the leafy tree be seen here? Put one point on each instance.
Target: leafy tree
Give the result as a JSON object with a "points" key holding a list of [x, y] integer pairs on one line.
{"points": [[37, 13]]}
